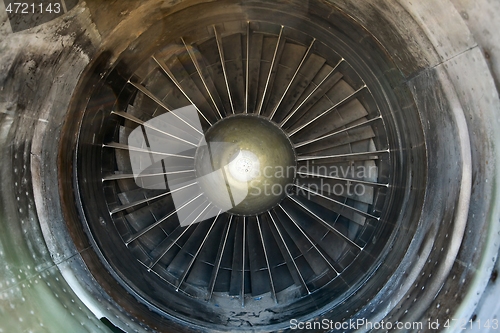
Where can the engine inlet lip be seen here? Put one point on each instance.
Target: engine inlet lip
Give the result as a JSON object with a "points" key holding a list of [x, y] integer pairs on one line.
{"points": [[83, 204]]}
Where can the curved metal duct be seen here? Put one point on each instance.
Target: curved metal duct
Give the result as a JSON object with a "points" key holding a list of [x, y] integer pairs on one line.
{"points": [[247, 166]]}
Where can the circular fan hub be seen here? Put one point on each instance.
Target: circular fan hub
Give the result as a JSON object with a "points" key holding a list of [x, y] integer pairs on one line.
{"points": [[246, 166]]}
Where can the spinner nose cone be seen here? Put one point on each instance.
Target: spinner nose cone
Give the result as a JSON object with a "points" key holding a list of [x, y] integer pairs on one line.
{"points": [[246, 166]]}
